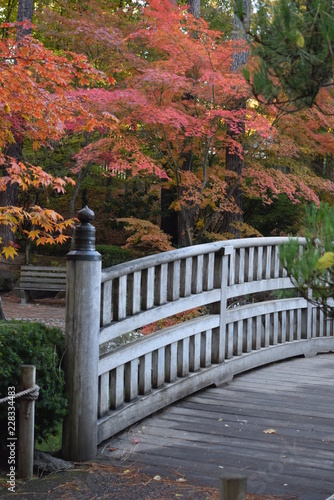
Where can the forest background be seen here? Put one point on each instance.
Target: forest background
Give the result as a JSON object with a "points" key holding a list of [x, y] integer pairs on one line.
{"points": [[176, 124]]}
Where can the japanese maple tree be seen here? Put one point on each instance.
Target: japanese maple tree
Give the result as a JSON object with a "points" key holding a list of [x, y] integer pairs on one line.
{"points": [[174, 100], [38, 103]]}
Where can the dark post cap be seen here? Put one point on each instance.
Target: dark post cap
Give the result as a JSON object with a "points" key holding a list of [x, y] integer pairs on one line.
{"points": [[86, 215], [84, 238]]}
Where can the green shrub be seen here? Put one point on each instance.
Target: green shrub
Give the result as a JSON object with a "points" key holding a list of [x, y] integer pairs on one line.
{"points": [[36, 344], [113, 255]]}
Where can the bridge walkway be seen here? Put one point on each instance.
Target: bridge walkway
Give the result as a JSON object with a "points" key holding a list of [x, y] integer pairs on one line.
{"points": [[275, 424]]}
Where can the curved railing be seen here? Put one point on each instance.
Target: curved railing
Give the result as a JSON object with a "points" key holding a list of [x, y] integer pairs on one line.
{"points": [[240, 330]]}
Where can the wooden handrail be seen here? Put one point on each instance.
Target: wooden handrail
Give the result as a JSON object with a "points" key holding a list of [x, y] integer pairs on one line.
{"points": [[238, 330]]}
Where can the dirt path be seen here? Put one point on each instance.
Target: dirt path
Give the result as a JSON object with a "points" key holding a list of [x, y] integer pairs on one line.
{"points": [[51, 312]]}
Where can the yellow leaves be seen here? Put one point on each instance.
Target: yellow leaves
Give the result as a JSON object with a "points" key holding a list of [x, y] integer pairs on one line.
{"points": [[176, 206], [32, 235], [61, 239], [326, 261], [6, 108], [300, 40], [270, 431], [9, 252], [46, 226], [44, 240]]}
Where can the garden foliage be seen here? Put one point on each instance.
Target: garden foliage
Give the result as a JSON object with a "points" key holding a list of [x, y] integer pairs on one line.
{"points": [[23, 343], [311, 264]]}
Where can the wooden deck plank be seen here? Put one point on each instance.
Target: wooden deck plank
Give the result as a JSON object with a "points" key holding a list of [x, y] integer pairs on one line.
{"points": [[223, 429]]}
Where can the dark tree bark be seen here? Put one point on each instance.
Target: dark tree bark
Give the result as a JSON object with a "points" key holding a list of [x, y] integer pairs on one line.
{"points": [[195, 7], [233, 161], [25, 12]]}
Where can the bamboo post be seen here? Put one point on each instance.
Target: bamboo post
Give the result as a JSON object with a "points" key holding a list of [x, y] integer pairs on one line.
{"points": [[83, 297], [233, 487], [26, 424]]}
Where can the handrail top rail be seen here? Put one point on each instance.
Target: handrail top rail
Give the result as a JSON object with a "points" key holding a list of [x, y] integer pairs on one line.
{"points": [[193, 251]]}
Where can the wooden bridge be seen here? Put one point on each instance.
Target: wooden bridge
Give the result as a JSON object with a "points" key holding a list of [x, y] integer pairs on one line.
{"points": [[273, 425], [242, 327]]}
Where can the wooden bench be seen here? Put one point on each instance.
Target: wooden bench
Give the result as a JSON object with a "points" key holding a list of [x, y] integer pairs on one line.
{"points": [[35, 278]]}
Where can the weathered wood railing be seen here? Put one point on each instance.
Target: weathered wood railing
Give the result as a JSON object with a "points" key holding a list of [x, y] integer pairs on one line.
{"points": [[139, 378]]}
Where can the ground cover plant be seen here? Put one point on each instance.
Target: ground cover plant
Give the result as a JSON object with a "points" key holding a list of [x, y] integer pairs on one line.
{"points": [[34, 343]]}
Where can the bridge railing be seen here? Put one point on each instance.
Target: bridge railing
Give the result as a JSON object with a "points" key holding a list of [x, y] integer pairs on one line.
{"points": [[239, 330]]}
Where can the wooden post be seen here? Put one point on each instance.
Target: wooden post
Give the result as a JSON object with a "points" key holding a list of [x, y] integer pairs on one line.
{"points": [[83, 297], [221, 281], [233, 487], [26, 424]]}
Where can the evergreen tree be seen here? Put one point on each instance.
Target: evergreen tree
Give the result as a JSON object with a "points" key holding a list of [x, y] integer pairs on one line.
{"points": [[294, 44]]}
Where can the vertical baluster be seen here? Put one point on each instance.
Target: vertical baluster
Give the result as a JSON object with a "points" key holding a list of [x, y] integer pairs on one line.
{"points": [[195, 352], [131, 380], [173, 292], [221, 278], [232, 266], [240, 335], [275, 329], [250, 276], [171, 362], [277, 263], [283, 325], [186, 277], [299, 325], [230, 340], [145, 374], [321, 324], [148, 288], [134, 293], [161, 284], [329, 327], [268, 262], [258, 332], [103, 399], [241, 266], [309, 324], [117, 387], [291, 325], [158, 367], [249, 328], [197, 274], [314, 321], [106, 304], [206, 348], [259, 263], [183, 358], [266, 330], [208, 272], [119, 298]]}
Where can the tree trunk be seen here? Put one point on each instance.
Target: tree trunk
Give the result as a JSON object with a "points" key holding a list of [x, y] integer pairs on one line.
{"points": [[233, 161], [195, 7], [25, 10]]}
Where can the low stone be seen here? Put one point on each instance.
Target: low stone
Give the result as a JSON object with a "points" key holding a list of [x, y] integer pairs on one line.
{"points": [[48, 463], [7, 281]]}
